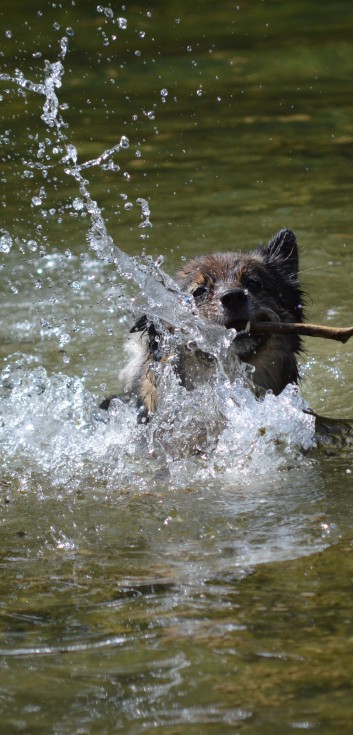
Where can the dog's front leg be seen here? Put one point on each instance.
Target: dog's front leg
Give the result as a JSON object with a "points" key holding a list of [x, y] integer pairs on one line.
{"points": [[144, 383]]}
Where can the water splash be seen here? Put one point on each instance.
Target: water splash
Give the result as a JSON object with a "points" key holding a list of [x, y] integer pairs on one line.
{"points": [[5, 241], [52, 424], [219, 428]]}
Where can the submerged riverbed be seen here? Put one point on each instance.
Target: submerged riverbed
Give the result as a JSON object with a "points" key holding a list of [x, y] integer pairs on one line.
{"points": [[150, 583]]}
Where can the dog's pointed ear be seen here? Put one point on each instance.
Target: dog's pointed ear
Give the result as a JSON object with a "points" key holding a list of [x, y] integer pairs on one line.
{"points": [[283, 249]]}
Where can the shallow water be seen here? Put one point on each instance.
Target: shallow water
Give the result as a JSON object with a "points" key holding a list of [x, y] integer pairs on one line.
{"points": [[193, 575]]}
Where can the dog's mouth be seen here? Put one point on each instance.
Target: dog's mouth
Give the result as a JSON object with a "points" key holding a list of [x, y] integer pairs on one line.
{"points": [[240, 326], [243, 326]]}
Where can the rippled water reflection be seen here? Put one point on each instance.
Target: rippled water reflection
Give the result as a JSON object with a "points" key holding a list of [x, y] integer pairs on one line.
{"points": [[147, 586]]}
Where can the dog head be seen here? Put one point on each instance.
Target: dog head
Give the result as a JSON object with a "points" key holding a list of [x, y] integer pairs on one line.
{"points": [[235, 288]]}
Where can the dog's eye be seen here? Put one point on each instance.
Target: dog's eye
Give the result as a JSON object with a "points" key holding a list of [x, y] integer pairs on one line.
{"points": [[199, 291], [254, 285]]}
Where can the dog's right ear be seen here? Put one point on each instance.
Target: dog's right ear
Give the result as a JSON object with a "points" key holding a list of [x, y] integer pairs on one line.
{"points": [[282, 250]]}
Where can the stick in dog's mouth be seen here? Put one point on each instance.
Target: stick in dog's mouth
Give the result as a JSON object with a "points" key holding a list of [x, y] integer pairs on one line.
{"points": [[341, 334]]}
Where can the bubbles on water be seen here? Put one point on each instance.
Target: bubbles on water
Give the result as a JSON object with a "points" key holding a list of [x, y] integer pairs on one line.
{"points": [[5, 241], [8, 34], [122, 23], [36, 201]]}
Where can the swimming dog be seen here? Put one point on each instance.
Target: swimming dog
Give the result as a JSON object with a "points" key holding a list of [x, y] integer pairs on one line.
{"points": [[232, 289]]}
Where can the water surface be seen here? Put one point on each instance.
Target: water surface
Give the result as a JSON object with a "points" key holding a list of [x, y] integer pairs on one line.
{"points": [[146, 587]]}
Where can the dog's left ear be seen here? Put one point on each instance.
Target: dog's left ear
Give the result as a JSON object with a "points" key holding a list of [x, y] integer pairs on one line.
{"points": [[283, 250]]}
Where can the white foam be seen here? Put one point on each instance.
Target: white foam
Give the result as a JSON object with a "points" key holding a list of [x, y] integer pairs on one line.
{"points": [[53, 425]]}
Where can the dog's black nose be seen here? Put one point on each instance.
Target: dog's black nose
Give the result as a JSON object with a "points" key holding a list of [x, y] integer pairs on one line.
{"points": [[233, 298]]}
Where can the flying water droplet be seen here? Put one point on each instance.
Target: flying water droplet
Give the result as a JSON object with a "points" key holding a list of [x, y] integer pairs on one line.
{"points": [[64, 340], [71, 151], [5, 241], [145, 212], [124, 142], [78, 204], [64, 43]]}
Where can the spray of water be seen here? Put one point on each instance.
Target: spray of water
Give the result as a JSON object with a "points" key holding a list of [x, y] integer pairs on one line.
{"points": [[218, 428]]}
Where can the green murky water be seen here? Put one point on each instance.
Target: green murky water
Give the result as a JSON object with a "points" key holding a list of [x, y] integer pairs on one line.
{"points": [[204, 600]]}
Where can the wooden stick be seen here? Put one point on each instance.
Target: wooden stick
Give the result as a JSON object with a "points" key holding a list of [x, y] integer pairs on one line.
{"points": [[307, 330]]}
